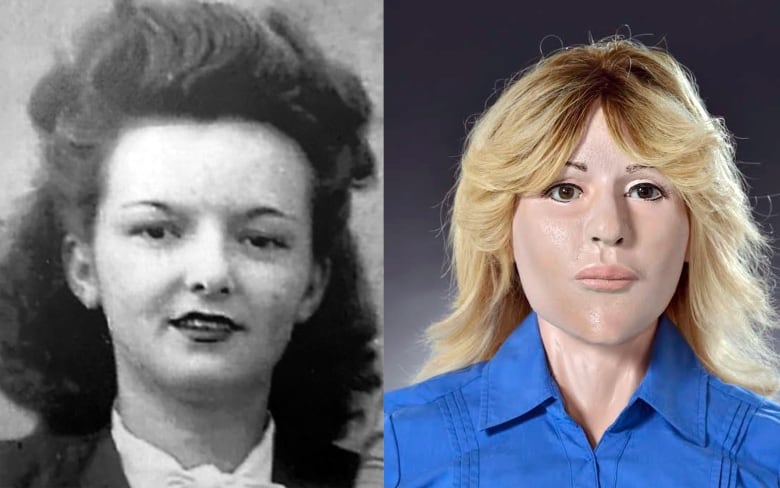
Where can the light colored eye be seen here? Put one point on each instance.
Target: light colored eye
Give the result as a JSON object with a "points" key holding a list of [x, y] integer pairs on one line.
{"points": [[564, 193], [645, 191]]}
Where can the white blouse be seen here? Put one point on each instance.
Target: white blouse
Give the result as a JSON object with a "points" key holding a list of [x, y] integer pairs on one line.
{"points": [[146, 465]]}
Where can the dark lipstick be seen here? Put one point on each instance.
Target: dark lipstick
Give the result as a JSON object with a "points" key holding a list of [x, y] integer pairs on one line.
{"points": [[205, 327]]}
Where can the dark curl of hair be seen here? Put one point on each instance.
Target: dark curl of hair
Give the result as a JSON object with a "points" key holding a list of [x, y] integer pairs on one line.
{"points": [[203, 62]]}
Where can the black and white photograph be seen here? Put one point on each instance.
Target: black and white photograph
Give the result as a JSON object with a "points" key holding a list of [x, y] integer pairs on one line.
{"points": [[191, 260]]}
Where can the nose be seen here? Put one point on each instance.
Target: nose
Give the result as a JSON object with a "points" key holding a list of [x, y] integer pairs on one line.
{"points": [[608, 220], [208, 268]]}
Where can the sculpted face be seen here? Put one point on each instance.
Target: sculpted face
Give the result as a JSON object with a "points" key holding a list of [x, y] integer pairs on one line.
{"points": [[202, 252], [600, 252]]}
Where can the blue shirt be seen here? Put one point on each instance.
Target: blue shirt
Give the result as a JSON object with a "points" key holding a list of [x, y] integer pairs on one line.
{"points": [[502, 423]]}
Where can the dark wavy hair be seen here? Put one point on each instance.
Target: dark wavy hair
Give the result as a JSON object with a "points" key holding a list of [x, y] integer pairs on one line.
{"points": [[203, 62]]}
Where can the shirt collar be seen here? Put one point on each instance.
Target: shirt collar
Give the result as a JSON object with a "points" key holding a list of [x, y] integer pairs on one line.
{"points": [[675, 384], [517, 380], [147, 465]]}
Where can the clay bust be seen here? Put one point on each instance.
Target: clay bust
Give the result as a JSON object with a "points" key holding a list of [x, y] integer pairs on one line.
{"points": [[613, 294]]}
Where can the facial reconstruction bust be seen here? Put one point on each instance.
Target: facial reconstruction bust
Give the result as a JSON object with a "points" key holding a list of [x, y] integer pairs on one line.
{"points": [[605, 214], [611, 294], [513, 235]]}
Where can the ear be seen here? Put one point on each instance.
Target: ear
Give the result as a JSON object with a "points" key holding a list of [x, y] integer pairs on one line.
{"points": [[318, 283], [78, 262]]}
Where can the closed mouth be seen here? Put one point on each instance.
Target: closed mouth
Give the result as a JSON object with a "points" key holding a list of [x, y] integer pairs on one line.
{"points": [[606, 273], [599, 284]]}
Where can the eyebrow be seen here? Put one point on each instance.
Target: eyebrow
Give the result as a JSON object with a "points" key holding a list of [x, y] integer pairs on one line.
{"points": [[252, 213], [631, 168], [256, 212]]}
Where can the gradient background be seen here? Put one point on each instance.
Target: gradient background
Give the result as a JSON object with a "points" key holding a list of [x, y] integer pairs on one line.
{"points": [[443, 60], [31, 31]]}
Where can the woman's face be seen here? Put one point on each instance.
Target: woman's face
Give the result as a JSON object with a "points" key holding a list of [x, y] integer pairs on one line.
{"points": [[202, 251], [600, 253]]}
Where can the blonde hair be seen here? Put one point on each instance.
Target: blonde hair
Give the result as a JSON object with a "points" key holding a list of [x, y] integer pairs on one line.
{"points": [[722, 304]]}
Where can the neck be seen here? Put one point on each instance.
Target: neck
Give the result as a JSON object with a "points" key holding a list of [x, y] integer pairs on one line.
{"points": [[218, 428], [596, 380]]}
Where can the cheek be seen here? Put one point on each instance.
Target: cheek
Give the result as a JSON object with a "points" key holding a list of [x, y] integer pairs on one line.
{"points": [[132, 284], [542, 244], [666, 239], [283, 297], [278, 289]]}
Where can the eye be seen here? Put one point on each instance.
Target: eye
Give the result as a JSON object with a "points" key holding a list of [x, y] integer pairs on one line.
{"points": [[646, 191], [564, 192], [262, 241], [155, 232]]}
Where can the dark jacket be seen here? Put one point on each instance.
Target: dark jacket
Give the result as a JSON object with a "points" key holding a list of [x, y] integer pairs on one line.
{"points": [[92, 461]]}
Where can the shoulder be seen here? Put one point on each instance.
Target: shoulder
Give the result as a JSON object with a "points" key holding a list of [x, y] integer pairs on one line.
{"points": [[750, 428], [431, 390], [420, 406], [759, 451], [44, 460], [418, 420], [322, 466]]}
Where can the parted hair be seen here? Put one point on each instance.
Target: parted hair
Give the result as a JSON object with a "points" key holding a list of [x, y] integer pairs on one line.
{"points": [[200, 62], [723, 302]]}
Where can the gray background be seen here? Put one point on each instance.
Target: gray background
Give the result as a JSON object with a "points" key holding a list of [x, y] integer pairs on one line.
{"points": [[443, 60], [31, 31]]}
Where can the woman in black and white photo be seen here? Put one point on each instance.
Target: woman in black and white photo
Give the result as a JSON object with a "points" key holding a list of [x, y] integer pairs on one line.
{"points": [[182, 300]]}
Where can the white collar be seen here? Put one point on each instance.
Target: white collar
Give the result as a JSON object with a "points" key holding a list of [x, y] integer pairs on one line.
{"points": [[146, 465]]}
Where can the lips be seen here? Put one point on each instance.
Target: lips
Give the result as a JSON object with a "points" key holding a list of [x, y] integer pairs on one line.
{"points": [[603, 277], [606, 272], [205, 327]]}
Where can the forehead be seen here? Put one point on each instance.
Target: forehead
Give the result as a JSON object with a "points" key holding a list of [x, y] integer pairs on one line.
{"points": [[221, 163], [597, 146]]}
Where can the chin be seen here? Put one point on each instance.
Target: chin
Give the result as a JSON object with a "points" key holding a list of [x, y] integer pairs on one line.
{"points": [[210, 381], [612, 330]]}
